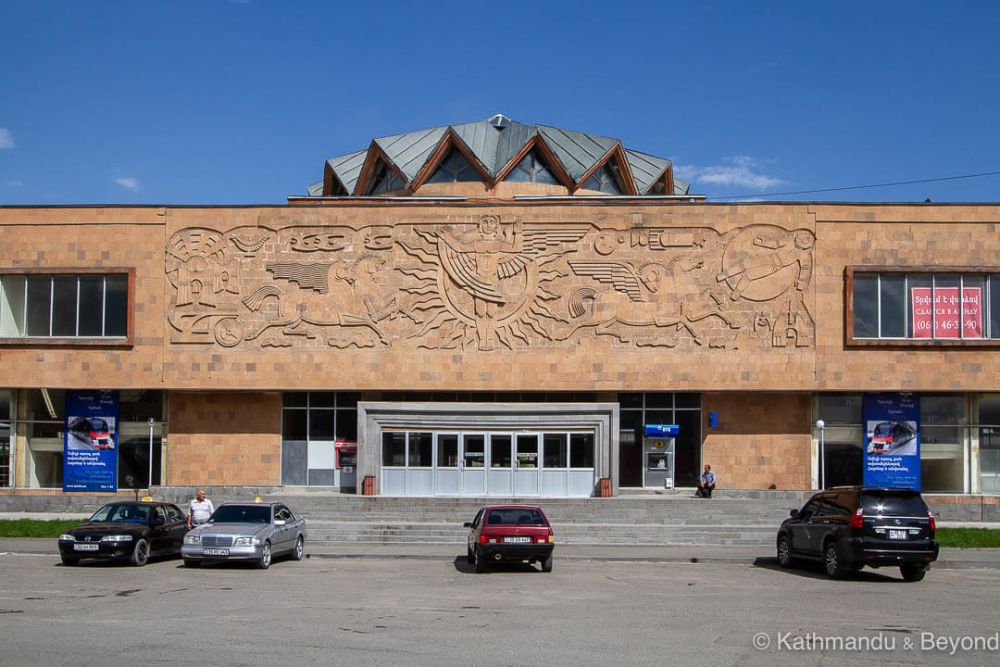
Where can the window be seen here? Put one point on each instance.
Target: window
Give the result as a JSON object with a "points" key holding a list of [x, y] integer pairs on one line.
{"points": [[900, 306], [4, 438], [454, 168], [447, 450], [531, 169], [319, 415], [989, 443], [607, 179], [60, 306], [639, 409], [384, 179], [581, 450], [421, 447], [474, 451], [554, 447], [393, 449], [945, 435], [500, 451]]}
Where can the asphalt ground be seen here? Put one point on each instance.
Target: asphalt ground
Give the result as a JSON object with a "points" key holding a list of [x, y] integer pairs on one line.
{"points": [[336, 609], [731, 555]]}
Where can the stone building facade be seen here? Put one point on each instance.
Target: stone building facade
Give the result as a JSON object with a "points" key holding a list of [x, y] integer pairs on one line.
{"points": [[526, 329]]}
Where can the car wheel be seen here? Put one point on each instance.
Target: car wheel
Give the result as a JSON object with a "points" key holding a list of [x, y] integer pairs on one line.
{"points": [[832, 562], [140, 554], [469, 556], [912, 572], [300, 548], [192, 562], [547, 564], [69, 560], [479, 562], [784, 551], [265, 556]]}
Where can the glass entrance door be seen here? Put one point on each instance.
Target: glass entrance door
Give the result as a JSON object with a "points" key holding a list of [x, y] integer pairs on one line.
{"points": [[448, 473], [527, 465], [473, 458], [500, 474]]}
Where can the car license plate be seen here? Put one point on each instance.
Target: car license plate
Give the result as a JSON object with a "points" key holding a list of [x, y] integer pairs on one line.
{"points": [[517, 539], [216, 552], [86, 547], [898, 534]]}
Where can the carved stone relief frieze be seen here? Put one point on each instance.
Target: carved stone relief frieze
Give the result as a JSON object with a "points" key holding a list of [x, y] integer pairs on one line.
{"points": [[490, 283]]}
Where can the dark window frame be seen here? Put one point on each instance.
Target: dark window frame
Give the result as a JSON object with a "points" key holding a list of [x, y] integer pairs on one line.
{"points": [[851, 341], [126, 341]]}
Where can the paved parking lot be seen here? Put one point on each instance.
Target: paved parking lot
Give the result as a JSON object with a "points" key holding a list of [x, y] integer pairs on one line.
{"points": [[436, 611]]}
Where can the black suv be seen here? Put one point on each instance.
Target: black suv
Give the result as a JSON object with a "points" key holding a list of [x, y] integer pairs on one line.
{"points": [[850, 527]]}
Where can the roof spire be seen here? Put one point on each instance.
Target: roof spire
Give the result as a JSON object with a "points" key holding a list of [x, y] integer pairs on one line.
{"points": [[498, 121]]}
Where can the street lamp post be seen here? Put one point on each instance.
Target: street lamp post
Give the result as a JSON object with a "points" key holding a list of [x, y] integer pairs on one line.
{"points": [[151, 422], [821, 425]]}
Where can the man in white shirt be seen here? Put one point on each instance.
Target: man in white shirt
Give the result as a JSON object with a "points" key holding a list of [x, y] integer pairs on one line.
{"points": [[199, 510]]}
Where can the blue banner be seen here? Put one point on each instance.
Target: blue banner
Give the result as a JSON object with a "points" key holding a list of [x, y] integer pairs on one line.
{"points": [[662, 430], [892, 440], [90, 447]]}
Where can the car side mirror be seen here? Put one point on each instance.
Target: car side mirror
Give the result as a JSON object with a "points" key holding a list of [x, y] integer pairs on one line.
{"points": [[280, 522], [794, 514], [467, 524]]}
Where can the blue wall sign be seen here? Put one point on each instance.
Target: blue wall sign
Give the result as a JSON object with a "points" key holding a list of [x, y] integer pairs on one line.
{"points": [[662, 430], [90, 445], [892, 440]]}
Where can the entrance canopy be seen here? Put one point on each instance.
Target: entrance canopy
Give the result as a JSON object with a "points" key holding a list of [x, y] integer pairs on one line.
{"points": [[488, 449]]}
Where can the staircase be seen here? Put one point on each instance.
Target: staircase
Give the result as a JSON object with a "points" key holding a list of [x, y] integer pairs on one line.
{"points": [[729, 518]]}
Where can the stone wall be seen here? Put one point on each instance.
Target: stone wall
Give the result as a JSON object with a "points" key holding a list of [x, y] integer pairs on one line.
{"points": [[762, 440], [225, 438]]}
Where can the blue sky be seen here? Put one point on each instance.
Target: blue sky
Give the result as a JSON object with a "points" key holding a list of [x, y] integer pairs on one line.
{"points": [[238, 102]]}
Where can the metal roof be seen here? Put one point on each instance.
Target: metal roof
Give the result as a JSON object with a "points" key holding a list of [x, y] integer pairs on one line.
{"points": [[347, 168], [494, 143], [576, 151]]}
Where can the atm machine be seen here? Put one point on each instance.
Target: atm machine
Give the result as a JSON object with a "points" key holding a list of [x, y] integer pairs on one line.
{"points": [[347, 465], [658, 455]]}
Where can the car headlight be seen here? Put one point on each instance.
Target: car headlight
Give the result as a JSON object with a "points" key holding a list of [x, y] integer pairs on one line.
{"points": [[246, 541], [66, 537], [192, 538], [116, 538]]}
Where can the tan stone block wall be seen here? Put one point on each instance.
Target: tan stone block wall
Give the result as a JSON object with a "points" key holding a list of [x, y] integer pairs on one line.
{"points": [[219, 439], [921, 237], [654, 357], [87, 238], [763, 439], [918, 236]]}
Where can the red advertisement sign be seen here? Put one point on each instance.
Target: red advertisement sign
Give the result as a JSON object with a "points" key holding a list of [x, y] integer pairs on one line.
{"points": [[946, 317]]}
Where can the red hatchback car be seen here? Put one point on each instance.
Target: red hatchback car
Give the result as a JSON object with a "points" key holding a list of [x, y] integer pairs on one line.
{"points": [[510, 533]]}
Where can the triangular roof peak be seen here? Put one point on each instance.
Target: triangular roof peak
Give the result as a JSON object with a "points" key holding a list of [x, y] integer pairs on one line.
{"points": [[495, 143]]}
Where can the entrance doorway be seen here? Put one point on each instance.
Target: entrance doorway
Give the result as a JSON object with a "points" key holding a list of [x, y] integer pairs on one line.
{"points": [[484, 464]]}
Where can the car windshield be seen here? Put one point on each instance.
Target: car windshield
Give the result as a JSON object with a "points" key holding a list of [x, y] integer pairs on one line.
{"points": [[894, 504], [122, 513], [242, 514], [515, 517]]}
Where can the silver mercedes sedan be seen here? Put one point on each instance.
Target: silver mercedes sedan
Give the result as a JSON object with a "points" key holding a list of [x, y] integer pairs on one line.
{"points": [[254, 532]]}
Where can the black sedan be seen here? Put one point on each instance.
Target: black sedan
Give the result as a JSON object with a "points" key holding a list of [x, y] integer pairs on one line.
{"points": [[126, 531]]}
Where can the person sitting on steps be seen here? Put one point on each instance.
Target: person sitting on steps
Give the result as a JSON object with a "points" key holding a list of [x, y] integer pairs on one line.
{"points": [[707, 483]]}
